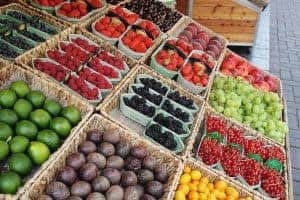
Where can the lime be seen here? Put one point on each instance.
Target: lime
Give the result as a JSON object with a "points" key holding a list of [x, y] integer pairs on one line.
{"points": [[5, 131], [20, 88], [23, 108], [52, 107], [61, 126], [20, 163], [72, 114], [41, 118], [4, 150], [27, 129], [8, 116], [38, 152], [50, 138], [9, 182], [37, 98], [18, 144], [7, 98]]}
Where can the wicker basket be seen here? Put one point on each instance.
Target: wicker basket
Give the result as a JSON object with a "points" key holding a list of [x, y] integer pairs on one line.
{"points": [[173, 164], [34, 12], [213, 176], [187, 20], [88, 24], [26, 59], [11, 73], [194, 144], [228, 52], [113, 101]]}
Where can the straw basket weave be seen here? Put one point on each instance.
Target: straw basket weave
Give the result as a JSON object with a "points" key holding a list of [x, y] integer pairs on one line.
{"points": [[11, 73], [113, 100], [196, 140], [174, 165], [26, 59]]}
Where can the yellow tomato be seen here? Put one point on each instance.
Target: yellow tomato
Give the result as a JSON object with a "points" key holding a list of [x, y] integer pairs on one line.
{"points": [[215, 192], [248, 198], [202, 196], [187, 170], [204, 180], [196, 175], [185, 179], [192, 187], [230, 191], [210, 186], [221, 195], [201, 187], [221, 185], [184, 188], [206, 191], [211, 197], [193, 195], [179, 195], [230, 198]]}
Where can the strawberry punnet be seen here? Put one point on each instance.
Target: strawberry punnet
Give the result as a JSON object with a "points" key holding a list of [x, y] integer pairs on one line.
{"points": [[48, 3], [128, 17], [195, 73], [111, 27], [137, 40]]}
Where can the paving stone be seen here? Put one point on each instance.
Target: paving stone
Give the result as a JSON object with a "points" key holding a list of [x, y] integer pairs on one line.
{"points": [[293, 121], [286, 75], [294, 133], [296, 189], [296, 174]]}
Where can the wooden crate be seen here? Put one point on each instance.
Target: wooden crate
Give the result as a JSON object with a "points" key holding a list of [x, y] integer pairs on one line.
{"points": [[237, 22]]}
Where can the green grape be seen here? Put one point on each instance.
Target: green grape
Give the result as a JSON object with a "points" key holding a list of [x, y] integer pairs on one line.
{"points": [[219, 109], [227, 112], [256, 109]]}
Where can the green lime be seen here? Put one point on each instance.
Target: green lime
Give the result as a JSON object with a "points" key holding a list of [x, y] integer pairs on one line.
{"points": [[20, 88], [274, 164], [50, 138], [38, 152], [7, 98], [4, 150], [9, 182], [41, 118], [256, 157], [5, 131], [37, 98], [52, 107], [8, 116], [18, 144], [20, 163], [72, 114], [61, 126], [27, 129], [23, 108]]}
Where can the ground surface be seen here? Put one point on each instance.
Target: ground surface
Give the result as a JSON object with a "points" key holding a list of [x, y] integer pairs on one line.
{"points": [[285, 62]]}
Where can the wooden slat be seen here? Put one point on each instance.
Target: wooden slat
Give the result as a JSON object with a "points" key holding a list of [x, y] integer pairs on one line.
{"points": [[227, 26], [181, 5]]}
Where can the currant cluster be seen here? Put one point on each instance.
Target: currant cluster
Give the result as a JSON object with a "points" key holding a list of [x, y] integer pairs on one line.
{"points": [[164, 138], [145, 92], [210, 151], [140, 105], [170, 123], [273, 183], [216, 124], [230, 160], [177, 112], [250, 170]]}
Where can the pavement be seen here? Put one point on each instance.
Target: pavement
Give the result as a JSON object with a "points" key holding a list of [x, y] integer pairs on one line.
{"points": [[285, 63]]}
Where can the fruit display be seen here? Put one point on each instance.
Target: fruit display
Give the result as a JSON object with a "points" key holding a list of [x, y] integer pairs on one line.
{"points": [[21, 32], [48, 3], [32, 127], [156, 12], [197, 38], [108, 166], [196, 183], [74, 11], [247, 158], [83, 67], [258, 109], [236, 66], [165, 113], [169, 58]]}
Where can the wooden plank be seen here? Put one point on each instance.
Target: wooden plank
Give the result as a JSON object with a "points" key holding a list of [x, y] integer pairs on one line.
{"points": [[239, 37], [235, 27], [181, 5], [224, 23]]}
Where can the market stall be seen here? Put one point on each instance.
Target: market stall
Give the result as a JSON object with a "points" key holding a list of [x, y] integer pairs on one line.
{"points": [[133, 100]]}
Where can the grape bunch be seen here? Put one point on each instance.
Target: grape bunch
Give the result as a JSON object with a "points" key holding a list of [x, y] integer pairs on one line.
{"points": [[258, 109]]}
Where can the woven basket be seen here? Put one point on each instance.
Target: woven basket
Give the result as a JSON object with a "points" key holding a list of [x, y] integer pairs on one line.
{"points": [[32, 11], [187, 20], [38, 52], [194, 144], [173, 164], [88, 24], [11, 73], [113, 100], [228, 52], [213, 176]]}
